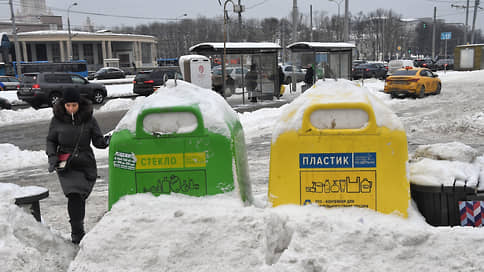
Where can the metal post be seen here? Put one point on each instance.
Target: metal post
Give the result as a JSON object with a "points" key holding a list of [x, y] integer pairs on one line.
{"points": [[69, 46], [466, 40], [294, 38], [476, 6], [434, 26], [240, 21], [346, 22], [225, 46], [242, 78], [311, 23], [17, 47]]}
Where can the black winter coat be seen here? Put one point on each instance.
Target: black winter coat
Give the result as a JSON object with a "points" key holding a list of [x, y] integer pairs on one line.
{"points": [[81, 173]]}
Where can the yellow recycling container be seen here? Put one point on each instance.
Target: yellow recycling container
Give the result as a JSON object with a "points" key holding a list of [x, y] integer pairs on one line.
{"points": [[337, 145]]}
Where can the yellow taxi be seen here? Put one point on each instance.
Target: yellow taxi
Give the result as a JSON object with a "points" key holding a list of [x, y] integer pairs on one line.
{"points": [[412, 81]]}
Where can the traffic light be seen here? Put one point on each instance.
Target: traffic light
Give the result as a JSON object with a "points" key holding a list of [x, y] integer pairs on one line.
{"points": [[409, 50], [424, 25]]}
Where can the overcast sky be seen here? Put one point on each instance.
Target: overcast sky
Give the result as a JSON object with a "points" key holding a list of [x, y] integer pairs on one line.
{"points": [[164, 10]]}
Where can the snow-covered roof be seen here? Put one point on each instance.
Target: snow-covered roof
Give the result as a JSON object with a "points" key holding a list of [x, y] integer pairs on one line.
{"points": [[471, 45], [235, 46], [330, 92], [321, 46]]}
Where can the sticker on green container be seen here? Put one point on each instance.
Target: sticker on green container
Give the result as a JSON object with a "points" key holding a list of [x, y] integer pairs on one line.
{"points": [[191, 182], [125, 161]]}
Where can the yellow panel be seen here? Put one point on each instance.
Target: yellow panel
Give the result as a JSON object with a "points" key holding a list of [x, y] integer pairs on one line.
{"points": [[159, 161], [195, 159], [341, 167]]}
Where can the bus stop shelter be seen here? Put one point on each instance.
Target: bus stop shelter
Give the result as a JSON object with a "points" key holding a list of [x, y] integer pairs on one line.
{"points": [[328, 59], [259, 59]]}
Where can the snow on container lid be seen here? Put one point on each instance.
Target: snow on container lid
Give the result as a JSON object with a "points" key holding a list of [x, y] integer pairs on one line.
{"points": [[332, 92], [170, 122], [218, 116]]}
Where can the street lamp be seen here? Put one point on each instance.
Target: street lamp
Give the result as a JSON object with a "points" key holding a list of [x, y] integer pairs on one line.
{"points": [[69, 46], [177, 26], [337, 2]]}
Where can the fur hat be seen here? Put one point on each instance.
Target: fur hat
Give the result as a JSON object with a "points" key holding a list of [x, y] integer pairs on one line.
{"points": [[72, 95]]}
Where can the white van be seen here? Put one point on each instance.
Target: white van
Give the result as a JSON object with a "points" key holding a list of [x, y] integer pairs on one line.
{"points": [[394, 65]]}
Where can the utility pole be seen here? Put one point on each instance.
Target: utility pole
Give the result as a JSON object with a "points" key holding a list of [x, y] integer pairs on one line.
{"points": [[467, 18], [346, 23], [476, 6], [294, 38], [311, 23], [240, 20], [434, 26], [17, 47]]}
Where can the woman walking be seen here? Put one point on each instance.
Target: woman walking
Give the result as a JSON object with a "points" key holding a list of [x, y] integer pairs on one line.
{"points": [[71, 131]]}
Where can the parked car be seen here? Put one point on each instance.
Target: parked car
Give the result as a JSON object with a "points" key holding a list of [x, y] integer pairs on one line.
{"points": [[368, 70], [357, 62], [217, 83], [425, 63], [416, 82], [146, 82], [444, 64], [394, 65], [5, 104], [48, 87], [108, 73], [9, 83], [299, 74]]}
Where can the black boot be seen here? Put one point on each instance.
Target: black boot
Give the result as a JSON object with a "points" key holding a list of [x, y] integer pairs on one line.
{"points": [[77, 231]]}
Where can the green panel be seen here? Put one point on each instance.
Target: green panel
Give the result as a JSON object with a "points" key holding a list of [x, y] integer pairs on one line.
{"points": [[193, 183], [197, 163]]}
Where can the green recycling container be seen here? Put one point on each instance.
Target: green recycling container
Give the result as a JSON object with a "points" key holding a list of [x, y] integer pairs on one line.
{"points": [[192, 160]]}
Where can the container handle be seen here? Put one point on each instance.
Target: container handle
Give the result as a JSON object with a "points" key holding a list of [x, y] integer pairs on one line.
{"points": [[308, 128]]}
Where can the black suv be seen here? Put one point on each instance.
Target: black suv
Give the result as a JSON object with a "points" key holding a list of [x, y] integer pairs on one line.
{"points": [[145, 82], [47, 87], [367, 70]]}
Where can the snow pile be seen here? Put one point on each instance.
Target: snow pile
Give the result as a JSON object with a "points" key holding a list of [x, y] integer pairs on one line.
{"points": [[181, 233], [453, 151], [11, 117], [25, 244], [119, 104], [218, 116], [448, 164], [13, 158], [329, 92]]}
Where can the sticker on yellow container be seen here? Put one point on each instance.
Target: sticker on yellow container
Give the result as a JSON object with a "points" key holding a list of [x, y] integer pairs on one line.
{"points": [[168, 161], [343, 188], [339, 188]]}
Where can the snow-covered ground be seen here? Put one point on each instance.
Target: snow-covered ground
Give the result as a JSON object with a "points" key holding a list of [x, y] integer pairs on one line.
{"points": [[219, 233]]}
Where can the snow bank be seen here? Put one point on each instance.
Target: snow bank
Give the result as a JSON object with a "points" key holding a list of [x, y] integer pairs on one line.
{"points": [[25, 244], [217, 114], [448, 164], [181, 233], [14, 158], [454, 151], [329, 92]]}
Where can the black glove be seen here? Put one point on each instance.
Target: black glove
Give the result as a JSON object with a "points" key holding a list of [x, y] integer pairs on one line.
{"points": [[53, 162]]}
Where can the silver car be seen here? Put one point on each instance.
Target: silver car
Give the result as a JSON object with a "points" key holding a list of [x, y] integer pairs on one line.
{"points": [[9, 83], [288, 74]]}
